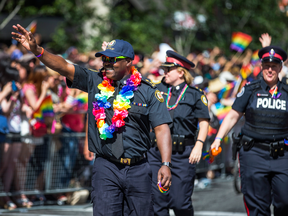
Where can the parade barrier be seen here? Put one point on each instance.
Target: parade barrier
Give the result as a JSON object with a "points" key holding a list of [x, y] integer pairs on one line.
{"points": [[55, 164], [49, 165]]}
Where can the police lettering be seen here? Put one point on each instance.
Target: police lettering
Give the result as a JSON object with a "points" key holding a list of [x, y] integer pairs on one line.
{"points": [[271, 103]]}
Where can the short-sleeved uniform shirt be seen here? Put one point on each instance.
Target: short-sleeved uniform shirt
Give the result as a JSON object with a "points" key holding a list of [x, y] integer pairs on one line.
{"points": [[266, 117], [191, 107], [146, 109]]}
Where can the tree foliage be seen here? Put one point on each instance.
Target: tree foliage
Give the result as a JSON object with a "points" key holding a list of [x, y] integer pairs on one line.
{"points": [[146, 29], [74, 13]]}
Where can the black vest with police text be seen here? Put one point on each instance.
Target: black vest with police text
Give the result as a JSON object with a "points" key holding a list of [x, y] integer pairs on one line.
{"points": [[266, 117]]}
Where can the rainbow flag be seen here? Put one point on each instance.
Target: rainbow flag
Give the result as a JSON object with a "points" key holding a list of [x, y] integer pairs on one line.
{"points": [[246, 71], [32, 26], [255, 58], [82, 101], [240, 41], [227, 91], [211, 131], [221, 111], [45, 109]]}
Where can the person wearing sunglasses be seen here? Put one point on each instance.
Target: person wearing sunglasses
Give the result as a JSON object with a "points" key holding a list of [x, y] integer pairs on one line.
{"points": [[121, 107], [187, 107]]}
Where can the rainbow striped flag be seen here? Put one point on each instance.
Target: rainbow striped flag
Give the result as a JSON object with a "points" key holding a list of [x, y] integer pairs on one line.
{"points": [[227, 91], [221, 111], [240, 41], [32, 26], [45, 109], [81, 101], [246, 71], [211, 131], [255, 58]]}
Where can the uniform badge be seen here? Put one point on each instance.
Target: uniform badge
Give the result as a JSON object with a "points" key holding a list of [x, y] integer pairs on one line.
{"points": [[271, 53], [164, 93], [159, 96], [111, 44], [241, 92], [204, 100]]}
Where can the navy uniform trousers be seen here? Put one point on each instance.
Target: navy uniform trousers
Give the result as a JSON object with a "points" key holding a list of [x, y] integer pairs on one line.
{"points": [[119, 190], [261, 174], [179, 195]]}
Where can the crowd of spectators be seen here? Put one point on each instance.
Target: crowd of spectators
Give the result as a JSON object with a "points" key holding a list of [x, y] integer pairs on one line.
{"points": [[25, 83]]}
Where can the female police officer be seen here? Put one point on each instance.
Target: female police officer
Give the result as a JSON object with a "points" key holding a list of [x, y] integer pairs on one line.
{"points": [[187, 106], [263, 159]]}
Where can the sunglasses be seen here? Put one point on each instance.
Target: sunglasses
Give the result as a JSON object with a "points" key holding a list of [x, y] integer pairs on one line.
{"points": [[112, 60], [168, 69]]}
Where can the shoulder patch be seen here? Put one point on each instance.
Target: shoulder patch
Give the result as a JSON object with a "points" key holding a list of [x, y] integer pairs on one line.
{"points": [[159, 96], [149, 82], [204, 100], [241, 92]]}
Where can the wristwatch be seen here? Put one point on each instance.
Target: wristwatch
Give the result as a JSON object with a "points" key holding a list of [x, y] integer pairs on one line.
{"points": [[167, 164]]}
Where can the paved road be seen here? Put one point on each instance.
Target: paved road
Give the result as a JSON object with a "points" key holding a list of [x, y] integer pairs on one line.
{"points": [[217, 200]]}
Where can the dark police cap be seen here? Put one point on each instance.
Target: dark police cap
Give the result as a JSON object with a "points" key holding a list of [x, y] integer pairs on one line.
{"points": [[174, 59], [117, 48], [272, 54]]}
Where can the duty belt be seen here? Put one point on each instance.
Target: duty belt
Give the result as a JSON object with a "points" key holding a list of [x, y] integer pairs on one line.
{"points": [[126, 161], [276, 148], [178, 142]]}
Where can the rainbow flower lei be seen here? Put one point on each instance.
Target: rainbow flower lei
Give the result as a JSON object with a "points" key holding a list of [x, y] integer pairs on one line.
{"points": [[120, 105]]}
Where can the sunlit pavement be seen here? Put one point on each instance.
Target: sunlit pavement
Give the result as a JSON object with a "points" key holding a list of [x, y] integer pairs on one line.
{"points": [[218, 199]]}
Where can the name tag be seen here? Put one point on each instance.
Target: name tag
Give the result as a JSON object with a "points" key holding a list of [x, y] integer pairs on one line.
{"points": [[270, 103]]}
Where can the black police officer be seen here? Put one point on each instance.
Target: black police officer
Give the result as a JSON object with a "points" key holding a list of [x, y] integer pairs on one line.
{"points": [[263, 156], [188, 107], [121, 178]]}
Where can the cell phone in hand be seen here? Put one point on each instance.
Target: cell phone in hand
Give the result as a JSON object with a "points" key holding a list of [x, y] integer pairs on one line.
{"points": [[14, 87]]}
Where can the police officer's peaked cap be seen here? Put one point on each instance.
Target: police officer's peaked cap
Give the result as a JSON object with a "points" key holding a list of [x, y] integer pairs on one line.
{"points": [[174, 59], [117, 48], [272, 54]]}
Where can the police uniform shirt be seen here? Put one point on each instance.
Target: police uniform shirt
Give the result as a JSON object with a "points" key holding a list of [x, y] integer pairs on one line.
{"points": [[266, 118], [145, 108], [192, 106]]}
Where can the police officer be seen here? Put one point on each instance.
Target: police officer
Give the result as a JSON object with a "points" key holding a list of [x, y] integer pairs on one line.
{"points": [[121, 108], [263, 156], [188, 107]]}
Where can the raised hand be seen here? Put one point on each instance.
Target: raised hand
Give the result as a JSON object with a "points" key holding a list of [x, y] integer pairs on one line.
{"points": [[104, 45], [25, 38], [265, 39]]}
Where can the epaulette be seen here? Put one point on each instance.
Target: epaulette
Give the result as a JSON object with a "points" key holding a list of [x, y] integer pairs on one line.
{"points": [[196, 88], [94, 70], [285, 87], [285, 83], [149, 82], [156, 82], [285, 80], [254, 84]]}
